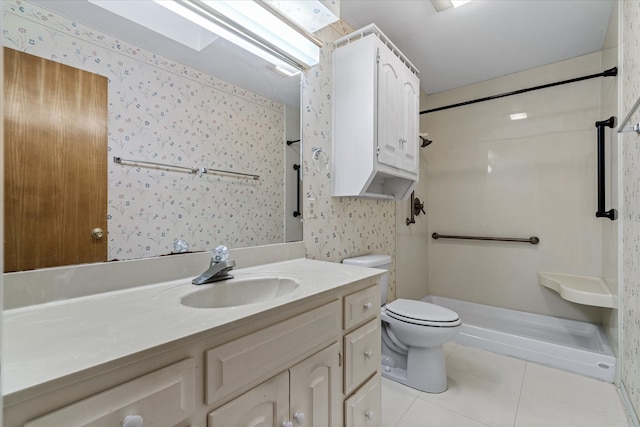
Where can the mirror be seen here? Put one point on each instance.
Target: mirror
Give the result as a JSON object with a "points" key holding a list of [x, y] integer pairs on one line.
{"points": [[217, 108]]}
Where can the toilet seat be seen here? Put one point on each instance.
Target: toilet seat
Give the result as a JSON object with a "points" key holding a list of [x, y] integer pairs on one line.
{"points": [[422, 313]]}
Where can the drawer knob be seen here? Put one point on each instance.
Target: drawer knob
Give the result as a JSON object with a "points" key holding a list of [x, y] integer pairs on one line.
{"points": [[299, 418], [368, 354], [368, 415], [132, 421], [368, 306]]}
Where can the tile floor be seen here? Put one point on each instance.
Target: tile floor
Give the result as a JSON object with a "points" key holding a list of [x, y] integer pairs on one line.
{"points": [[488, 389]]}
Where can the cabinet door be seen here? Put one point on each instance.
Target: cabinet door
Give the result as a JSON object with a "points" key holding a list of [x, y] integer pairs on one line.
{"points": [[315, 390], [363, 408], [408, 155], [266, 405], [388, 103]]}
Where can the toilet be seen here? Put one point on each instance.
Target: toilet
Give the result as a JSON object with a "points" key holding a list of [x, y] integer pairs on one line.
{"points": [[413, 335]]}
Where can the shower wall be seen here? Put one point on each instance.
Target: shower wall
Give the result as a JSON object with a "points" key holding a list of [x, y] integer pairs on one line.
{"points": [[488, 175]]}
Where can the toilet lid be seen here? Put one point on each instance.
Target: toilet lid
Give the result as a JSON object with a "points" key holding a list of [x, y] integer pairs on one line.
{"points": [[420, 310]]}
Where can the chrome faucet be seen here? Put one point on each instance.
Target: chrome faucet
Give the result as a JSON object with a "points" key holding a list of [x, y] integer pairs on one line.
{"points": [[218, 269]]}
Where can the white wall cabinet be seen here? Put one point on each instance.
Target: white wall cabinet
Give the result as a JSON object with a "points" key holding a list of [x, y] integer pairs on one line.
{"points": [[283, 369], [376, 95]]}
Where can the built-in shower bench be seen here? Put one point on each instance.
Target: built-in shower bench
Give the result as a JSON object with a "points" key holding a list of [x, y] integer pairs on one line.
{"points": [[587, 290]]}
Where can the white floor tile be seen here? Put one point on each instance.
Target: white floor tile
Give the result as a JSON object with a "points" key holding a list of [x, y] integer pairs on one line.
{"points": [[575, 390], [537, 410], [426, 414], [449, 347], [478, 398], [496, 367], [487, 389], [396, 400]]}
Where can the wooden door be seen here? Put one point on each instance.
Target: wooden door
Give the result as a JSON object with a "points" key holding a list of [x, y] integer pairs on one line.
{"points": [[55, 159], [315, 390]]}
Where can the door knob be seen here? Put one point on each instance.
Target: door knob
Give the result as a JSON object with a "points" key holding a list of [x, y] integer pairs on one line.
{"points": [[97, 233]]}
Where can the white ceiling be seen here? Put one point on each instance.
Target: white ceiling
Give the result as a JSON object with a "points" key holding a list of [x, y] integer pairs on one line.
{"points": [[478, 41], [484, 39]]}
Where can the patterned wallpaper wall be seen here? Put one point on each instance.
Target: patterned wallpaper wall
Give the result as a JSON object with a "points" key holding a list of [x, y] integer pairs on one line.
{"points": [[342, 227], [165, 112], [630, 28]]}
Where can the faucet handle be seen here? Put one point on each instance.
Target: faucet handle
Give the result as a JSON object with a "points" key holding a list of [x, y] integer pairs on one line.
{"points": [[220, 253]]}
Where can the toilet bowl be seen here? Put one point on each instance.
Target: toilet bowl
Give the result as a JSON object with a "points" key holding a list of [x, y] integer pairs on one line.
{"points": [[416, 331], [413, 335]]}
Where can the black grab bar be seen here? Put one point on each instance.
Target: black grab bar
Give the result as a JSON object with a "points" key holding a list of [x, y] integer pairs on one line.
{"points": [[534, 240], [297, 213], [612, 214]]}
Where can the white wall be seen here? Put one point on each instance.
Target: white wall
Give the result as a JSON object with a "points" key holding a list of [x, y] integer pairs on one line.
{"points": [[488, 175], [629, 82], [412, 241]]}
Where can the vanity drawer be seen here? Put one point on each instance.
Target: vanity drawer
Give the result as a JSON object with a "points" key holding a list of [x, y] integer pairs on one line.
{"points": [[360, 306], [254, 357], [362, 354], [363, 408], [163, 397]]}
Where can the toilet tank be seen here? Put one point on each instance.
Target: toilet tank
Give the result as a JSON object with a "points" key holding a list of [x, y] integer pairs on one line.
{"points": [[374, 261]]}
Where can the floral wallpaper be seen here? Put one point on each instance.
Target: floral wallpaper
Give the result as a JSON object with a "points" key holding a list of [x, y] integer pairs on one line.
{"points": [[630, 142], [165, 112], [336, 227]]}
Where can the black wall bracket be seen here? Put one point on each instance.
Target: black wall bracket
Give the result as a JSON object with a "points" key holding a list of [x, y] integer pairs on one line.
{"points": [[612, 214]]}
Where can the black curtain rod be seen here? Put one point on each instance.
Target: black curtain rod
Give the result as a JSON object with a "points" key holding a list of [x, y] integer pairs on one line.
{"points": [[608, 73]]}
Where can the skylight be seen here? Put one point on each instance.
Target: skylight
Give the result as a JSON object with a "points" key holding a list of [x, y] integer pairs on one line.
{"points": [[441, 5]]}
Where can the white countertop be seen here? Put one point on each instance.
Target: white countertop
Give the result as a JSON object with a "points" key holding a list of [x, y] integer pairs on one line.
{"points": [[49, 341]]}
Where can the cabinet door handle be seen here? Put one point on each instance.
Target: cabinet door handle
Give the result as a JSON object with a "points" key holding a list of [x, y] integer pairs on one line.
{"points": [[368, 354], [368, 306], [368, 415], [132, 421], [299, 418]]}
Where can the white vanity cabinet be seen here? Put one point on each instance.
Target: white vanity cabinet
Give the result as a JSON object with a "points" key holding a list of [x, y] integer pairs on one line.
{"points": [[311, 362], [376, 95]]}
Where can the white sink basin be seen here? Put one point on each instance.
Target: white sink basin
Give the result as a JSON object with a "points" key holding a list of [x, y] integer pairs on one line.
{"points": [[240, 291]]}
